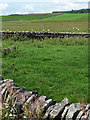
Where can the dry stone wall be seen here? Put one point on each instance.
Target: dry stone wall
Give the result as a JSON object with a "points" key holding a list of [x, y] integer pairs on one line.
{"points": [[49, 108], [41, 35]]}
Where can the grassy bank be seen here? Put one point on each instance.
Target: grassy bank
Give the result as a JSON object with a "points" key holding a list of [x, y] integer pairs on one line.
{"points": [[57, 68]]}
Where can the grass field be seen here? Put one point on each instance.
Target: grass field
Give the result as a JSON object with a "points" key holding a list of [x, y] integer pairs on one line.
{"points": [[40, 25], [69, 17], [59, 23], [62, 17], [57, 68], [26, 17]]}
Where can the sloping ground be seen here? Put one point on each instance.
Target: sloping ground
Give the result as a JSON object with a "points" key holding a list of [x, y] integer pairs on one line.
{"points": [[26, 17], [70, 17]]}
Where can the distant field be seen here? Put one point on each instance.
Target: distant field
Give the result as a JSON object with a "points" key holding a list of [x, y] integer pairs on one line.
{"points": [[26, 17], [58, 23], [70, 17], [63, 17], [53, 26]]}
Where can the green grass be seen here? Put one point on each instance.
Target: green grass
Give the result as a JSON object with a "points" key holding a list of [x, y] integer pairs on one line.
{"points": [[59, 23], [53, 26], [25, 17], [57, 68], [63, 17], [70, 17]]}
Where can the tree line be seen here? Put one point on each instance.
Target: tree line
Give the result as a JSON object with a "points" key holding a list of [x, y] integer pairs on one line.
{"points": [[74, 11]]}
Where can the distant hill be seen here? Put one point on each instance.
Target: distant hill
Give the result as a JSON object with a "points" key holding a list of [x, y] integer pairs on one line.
{"points": [[74, 11]]}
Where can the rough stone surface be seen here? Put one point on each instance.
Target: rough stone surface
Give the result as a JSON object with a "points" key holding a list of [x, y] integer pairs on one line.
{"points": [[84, 117], [58, 109], [88, 107], [64, 112], [88, 114], [79, 115], [73, 111], [46, 115], [50, 109], [42, 35], [42, 98], [48, 103]]}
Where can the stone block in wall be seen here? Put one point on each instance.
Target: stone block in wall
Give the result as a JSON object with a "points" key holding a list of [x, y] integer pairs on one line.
{"points": [[48, 103], [82, 112], [42, 98], [88, 114], [73, 111], [64, 113], [3, 90], [46, 115], [6, 83], [79, 115], [31, 99], [84, 117], [58, 109], [88, 107]]}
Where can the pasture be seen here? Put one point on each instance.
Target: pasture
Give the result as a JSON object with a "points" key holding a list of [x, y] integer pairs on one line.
{"points": [[53, 23], [57, 68], [26, 17]]}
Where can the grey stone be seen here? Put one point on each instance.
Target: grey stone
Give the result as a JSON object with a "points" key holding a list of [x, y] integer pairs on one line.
{"points": [[84, 117], [42, 98], [27, 95], [48, 103], [0, 106], [88, 114], [64, 113], [58, 109], [31, 99], [46, 115], [1, 82], [88, 107], [8, 81], [73, 111], [79, 115], [3, 90]]}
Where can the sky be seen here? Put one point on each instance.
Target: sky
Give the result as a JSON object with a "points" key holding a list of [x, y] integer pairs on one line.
{"points": [[8, 7]]}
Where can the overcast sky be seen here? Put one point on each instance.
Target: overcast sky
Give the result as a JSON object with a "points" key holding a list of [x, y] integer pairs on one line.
{"points": [[39, 6]]}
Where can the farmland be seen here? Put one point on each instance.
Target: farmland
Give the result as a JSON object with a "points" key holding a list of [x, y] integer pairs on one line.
{"points": [[55, 23], [69, 17], [57, 68], [46, 66], [26, 17]]}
